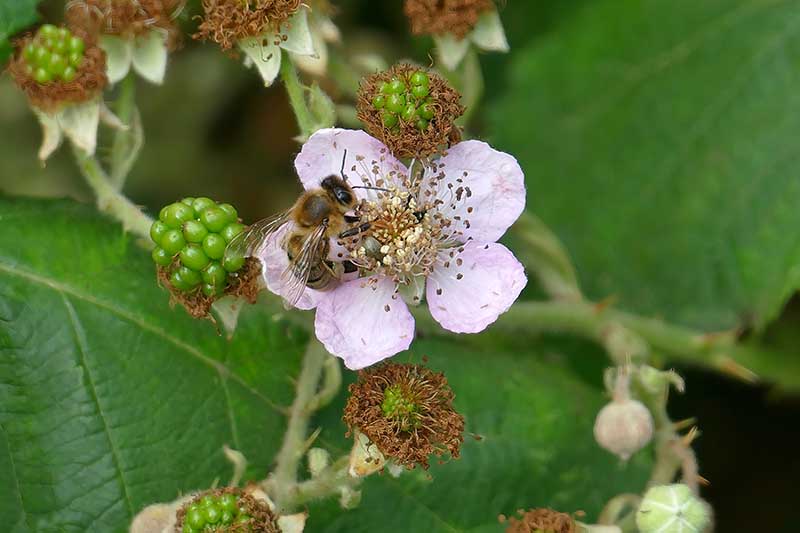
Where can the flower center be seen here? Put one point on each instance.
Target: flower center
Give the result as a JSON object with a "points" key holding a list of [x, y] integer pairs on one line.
{"points": [[399, 407], [402, 236]]}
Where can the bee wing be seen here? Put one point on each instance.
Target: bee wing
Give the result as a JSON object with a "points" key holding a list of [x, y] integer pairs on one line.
{"points": [[296, 275], [248, 242]]}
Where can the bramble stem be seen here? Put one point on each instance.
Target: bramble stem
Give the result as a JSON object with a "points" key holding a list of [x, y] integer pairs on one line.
{"points": [[127, 142], [331, 383], [109, 199], [283, 479], [297, 97]]}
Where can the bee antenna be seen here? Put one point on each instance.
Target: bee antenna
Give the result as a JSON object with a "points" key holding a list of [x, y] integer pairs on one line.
{"points": [[341, 171], [368, 187]]}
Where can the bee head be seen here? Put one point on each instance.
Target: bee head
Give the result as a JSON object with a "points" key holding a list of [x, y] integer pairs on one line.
{"points": [[339, 190]]}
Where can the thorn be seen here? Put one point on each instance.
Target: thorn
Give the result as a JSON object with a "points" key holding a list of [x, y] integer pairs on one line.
{"points": [[683, 424], [690, 437], [703, 481], [728, 366]]}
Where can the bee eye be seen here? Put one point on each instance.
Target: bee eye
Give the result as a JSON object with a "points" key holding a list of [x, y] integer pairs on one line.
{"points": [[343, 196]]}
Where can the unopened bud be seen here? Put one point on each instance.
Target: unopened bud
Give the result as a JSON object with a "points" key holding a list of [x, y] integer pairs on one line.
{"points": [[318, 460], [623, 427], [672, 508]]}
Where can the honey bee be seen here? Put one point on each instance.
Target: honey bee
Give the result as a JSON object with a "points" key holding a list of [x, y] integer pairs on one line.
{"points": [[315, 217]]}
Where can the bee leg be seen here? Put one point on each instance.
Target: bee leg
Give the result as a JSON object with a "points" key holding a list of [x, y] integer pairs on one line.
{"points": [[349, 267], [355, 231], [335, 269]]}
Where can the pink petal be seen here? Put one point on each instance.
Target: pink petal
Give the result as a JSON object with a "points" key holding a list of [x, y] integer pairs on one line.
{"points": [[468, 291], [363, 321], [490, 196], [275, 262], [367, 159]]}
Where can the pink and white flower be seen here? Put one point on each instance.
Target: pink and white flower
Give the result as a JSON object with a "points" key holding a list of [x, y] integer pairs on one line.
{"points": [[433, 232]]}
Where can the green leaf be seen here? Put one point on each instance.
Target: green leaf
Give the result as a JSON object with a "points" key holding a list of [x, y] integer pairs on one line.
{"points": [[110, 400], [15, 15], [529, 444], [659, 143]]}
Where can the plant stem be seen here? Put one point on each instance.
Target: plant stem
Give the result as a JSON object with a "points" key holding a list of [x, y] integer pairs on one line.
{"points": [[127, 142], [297, 97], [109, 199], [284, 478], [327, 483], [331, 383], [594, 321]]}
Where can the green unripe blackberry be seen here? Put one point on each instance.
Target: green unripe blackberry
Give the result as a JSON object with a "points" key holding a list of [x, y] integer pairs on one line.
{"points": [[189, 276], [195, 518], [173, 241], [409, 112], [426, 111], [422, 124], [214, 245], [177, 282], [385, 88], [161, 256], [228, 503], [395, 103], [389, 120], [194, 257], [212, 514], [51, 53], [215, 274], [177, 214], [379, 102], [197, 238], [396, 86], [233, 215], [194, 231], [214, 219], [231, 230], [202, 203], [420, 91], [232, 263], [419, 78]]}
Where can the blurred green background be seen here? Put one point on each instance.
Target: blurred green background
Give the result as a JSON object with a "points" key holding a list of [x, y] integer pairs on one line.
{"points": [[214, 130]]}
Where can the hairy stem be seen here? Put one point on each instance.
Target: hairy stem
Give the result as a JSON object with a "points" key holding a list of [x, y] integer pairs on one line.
{"points": [[127, 142], [284, 477], [109, 199], [326, 484], [595, 321], [331, 383], [297, 97]]}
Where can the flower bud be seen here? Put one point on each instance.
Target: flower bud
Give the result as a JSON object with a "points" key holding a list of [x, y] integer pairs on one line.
{"points": [[318, 460], [672, 508], [623, 427], [655, 381]]}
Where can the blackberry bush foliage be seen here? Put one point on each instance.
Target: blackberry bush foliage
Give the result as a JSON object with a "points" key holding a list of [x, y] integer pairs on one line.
{"points": [[410, 238]]}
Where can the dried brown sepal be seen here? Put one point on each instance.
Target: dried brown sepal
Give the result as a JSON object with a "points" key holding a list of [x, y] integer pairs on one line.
{"points": [[126, 18], [439, 429], [436, 17], [535, 520], [89, 82], [405, 139], [262, 519], [228, 21], [246, 284]]}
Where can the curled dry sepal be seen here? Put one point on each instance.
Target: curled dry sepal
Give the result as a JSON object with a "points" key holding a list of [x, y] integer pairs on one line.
{"points": [[433, 235], [133, 34], [62, 72], [191, 237], [539, 520], [406, 411], [456, 25], [411, 110], [260, 29]]}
